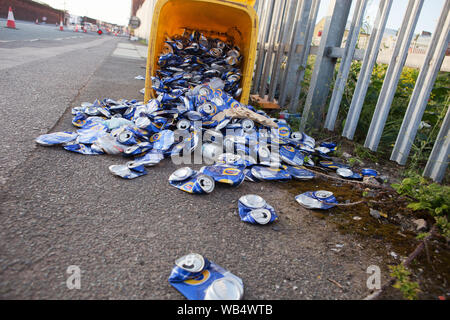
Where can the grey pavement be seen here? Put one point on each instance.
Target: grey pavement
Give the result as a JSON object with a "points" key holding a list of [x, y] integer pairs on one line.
{"points": [[59, 209], [37, 89]]}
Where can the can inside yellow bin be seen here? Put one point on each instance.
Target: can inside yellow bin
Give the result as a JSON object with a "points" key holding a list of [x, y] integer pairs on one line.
{"points": [[214, 18]]}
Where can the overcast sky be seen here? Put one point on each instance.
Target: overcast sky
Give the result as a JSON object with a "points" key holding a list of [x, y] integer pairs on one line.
{"points": [[113, 11], [118, 11], [427, 20]]}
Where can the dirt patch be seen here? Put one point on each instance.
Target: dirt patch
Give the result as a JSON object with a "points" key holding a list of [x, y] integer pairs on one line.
{"points": [[392, 236]]}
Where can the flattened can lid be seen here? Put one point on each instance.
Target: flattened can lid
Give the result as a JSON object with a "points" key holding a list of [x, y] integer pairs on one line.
{"points": [[262, 216], [252, 201], [120, 170], [226, 288], [181, 174], [192, 262], [247, 124], [344, 172], [125, 136], [205, 91], [183, 124], [206, 183], [322, 194], [218, 101], [263, 152], [207, 108], [297, 136], [308, 201], [142, 122]]}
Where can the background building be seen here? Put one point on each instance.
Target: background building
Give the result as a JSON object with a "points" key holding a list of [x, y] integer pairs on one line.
{"points": [[28, 10]]}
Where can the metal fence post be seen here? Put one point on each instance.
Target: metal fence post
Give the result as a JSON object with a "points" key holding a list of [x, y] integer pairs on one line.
{"points": [[322, 76], [393, 74], [299, 48], [266, 11], [365, 74], [346, 63], [288, 17], [438, 161], [423, 87], [300, 70], [294, 40], [273, 33]]}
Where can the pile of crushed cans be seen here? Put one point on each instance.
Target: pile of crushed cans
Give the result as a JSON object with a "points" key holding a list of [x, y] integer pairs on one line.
{"points": [[198, 79]]}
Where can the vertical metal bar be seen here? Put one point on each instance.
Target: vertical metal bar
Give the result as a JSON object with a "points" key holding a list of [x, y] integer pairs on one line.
{"points": [[304, 56], [297, 36], [262, 15], [300, 44], [280, 49], [346, 62], [393, 74], [259, 6], [321, 79], [423, 87], [438, 161], [266, 14], [365, 74], [291, 50], [274, 31]]}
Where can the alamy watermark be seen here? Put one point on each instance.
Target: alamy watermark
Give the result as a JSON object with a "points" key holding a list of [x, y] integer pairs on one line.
{"points": [[374, 280], [74, 279]]}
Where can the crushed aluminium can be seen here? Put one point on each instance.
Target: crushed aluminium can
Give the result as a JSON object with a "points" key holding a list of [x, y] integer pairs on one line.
{"points": [[226, 174], [197, 278], [127, 172], [56, 138], [255, 210], [190, 181], [332, 165], [291, 156], [348, 174], [163, 140], [329, 145], [83, 149], [317, 200], [369, 172], [150, 159], [300, 173], [283, 130], [269, 173], [91, 134]]}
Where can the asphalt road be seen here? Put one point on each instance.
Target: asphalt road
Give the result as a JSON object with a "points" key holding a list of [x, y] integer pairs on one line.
{"points": [[60, 209], [29, 31]]}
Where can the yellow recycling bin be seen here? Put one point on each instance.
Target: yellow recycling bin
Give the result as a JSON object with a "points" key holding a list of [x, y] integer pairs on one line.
{"points": [[235, 18]]}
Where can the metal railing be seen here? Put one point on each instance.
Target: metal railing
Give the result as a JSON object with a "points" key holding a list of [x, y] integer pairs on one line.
{"points": [[286, 32]]}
